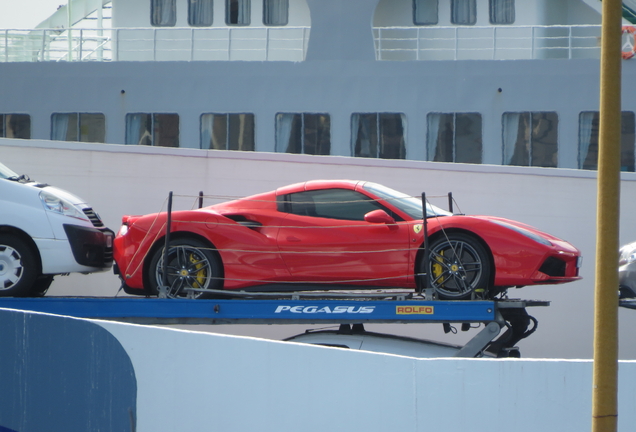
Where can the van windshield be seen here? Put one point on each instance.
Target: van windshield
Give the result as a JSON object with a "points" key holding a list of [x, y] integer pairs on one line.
{"points": [[6, 173]]}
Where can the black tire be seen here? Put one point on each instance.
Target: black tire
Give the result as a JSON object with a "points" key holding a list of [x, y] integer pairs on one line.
{"points": [[190, 264], [458, 268], [18, 267], [41, 286]]}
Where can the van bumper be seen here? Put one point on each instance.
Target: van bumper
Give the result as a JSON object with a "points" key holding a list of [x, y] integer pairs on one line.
{"points": [[91, 247]]}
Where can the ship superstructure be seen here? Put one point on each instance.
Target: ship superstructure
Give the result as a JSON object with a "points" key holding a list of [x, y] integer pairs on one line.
{"points": [[499, 82]]}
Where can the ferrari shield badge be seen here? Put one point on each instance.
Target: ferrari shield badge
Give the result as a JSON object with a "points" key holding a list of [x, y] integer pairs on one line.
{"points": [[417, 228]]}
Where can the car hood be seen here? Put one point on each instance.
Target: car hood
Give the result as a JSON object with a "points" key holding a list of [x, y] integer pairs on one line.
{"points": [[36, 187], [61, 193], [517, 225]]}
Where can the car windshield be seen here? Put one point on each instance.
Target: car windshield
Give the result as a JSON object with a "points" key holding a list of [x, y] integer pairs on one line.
{"points": [[408, 204], [6, 173]]}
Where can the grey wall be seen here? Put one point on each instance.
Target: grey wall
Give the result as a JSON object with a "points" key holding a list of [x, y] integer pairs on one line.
{"points": [[119, 180]]}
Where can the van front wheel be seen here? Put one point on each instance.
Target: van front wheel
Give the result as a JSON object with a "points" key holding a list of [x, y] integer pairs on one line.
{"points": [[18, 267]]}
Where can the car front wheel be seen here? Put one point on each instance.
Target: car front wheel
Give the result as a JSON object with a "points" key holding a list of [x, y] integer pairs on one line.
{"points": [[458, 267], [18, 267], [191, 269]]}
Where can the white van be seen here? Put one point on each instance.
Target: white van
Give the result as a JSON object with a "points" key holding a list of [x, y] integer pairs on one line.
{"points": [[46, 231]]}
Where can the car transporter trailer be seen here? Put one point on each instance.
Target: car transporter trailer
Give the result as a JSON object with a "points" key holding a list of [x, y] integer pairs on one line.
{"points": [[357, 308]]}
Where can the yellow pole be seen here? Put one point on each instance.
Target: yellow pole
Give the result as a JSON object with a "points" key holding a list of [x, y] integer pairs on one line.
{"points": [[605, 374]]}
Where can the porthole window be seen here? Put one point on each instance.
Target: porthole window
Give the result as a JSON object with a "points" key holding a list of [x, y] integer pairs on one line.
{"points": [[454, 137], [378, 135], [463, 12], [303, 133], [200, 13], [227, 132], [84, 127], [160, 130], [502, 11], [425, 12], [588, 140], [530, 138], [237, 12], [15, 126], [275, 12], [163, 13]]}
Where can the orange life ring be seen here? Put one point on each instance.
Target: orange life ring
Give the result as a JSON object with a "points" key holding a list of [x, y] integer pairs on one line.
{"points": [[631, 47]]}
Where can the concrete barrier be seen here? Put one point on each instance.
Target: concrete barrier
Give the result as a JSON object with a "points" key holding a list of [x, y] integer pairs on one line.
{"points": [[60, 373]]}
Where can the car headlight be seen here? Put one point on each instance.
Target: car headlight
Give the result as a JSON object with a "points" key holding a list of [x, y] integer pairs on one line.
{"points": [[123, 230], [56, 204], [627, 254], [525, 232]]}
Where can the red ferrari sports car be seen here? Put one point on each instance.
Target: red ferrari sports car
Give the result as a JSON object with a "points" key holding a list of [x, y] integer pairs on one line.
{"points": [[341, 234]]}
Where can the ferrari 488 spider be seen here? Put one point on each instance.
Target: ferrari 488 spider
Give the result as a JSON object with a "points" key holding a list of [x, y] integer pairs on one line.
{"points": [[335, 235]]}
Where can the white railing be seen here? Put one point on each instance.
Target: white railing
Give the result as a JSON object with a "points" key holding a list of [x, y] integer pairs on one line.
{"points": [[487, 43], [290, 43], [155, 44], [55, 45]]}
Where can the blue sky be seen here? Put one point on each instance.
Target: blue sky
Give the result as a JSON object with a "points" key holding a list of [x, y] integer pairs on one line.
{"points": [[26, 13]]}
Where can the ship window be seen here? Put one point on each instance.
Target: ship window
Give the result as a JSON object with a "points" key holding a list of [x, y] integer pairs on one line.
{"points": [[227, 132], [454, 137], [378, 135], [163, 13], [502, 11], [84, 127], [425, 12], [237, 12], [275, 12], [463, 12], [152, 129], [200, 13], [588, 140], [530, 139], [15, 126], [303, 133]]}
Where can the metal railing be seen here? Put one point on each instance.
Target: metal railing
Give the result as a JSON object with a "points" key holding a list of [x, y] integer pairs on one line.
{"points": [[155, 44], [487, 43], [290, 43], [55, 45]]}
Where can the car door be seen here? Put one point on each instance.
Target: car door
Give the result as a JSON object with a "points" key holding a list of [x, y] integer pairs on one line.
{"points": [[324, 238]]}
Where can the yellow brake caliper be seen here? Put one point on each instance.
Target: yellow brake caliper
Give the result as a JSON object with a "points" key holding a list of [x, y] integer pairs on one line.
{"points": [[437, 268], [200, 274]]}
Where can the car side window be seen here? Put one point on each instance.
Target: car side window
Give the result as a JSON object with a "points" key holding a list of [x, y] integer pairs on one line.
{"points": [[341, 204]]}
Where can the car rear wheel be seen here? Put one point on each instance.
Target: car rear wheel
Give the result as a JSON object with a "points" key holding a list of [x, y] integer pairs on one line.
{"points": [[458, 267], [191, 269], [18, 267]]}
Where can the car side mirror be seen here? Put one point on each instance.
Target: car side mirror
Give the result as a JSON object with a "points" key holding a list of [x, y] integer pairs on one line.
{"points": [[379, 216]]}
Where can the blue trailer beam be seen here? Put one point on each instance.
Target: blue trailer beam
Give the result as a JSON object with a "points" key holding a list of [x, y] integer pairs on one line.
{"points": [[267, 311]]}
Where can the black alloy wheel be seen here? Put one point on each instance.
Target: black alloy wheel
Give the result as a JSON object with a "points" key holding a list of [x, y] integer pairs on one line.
{"points": [[192, 267], [458, 267]]}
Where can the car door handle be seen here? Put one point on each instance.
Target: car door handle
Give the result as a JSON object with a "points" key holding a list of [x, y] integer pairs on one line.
{"points": [[292, 239]]}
